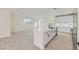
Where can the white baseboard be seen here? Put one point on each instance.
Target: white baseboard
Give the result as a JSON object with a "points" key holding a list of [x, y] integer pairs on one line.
{"points": [[6, 35]]}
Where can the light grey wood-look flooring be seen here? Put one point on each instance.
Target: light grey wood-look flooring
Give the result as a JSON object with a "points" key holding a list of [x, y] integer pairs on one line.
{"points": [[24, 41], [63, 41], [18, 41]]}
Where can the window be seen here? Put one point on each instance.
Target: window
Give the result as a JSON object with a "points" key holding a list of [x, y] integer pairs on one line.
{"points": [[64, 23], [27, 20]]}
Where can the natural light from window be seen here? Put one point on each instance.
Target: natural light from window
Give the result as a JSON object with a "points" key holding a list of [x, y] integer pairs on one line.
{"points": [[27, 20]]}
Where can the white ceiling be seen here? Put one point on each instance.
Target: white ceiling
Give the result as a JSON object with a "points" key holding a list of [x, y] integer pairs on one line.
{"points": [[33, 11], [41, 11]]}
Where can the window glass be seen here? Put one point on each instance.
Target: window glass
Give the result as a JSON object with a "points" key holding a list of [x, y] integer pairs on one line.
{"points": [[27, 20]]}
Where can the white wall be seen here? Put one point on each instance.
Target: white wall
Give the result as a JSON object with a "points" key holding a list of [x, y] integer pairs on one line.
{"points": [[51, 19], [17, 23], [45, 21], [4, 23], [78, 27]]}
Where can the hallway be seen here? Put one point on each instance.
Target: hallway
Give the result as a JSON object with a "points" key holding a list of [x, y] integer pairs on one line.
{"points": [[63, 41]]}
